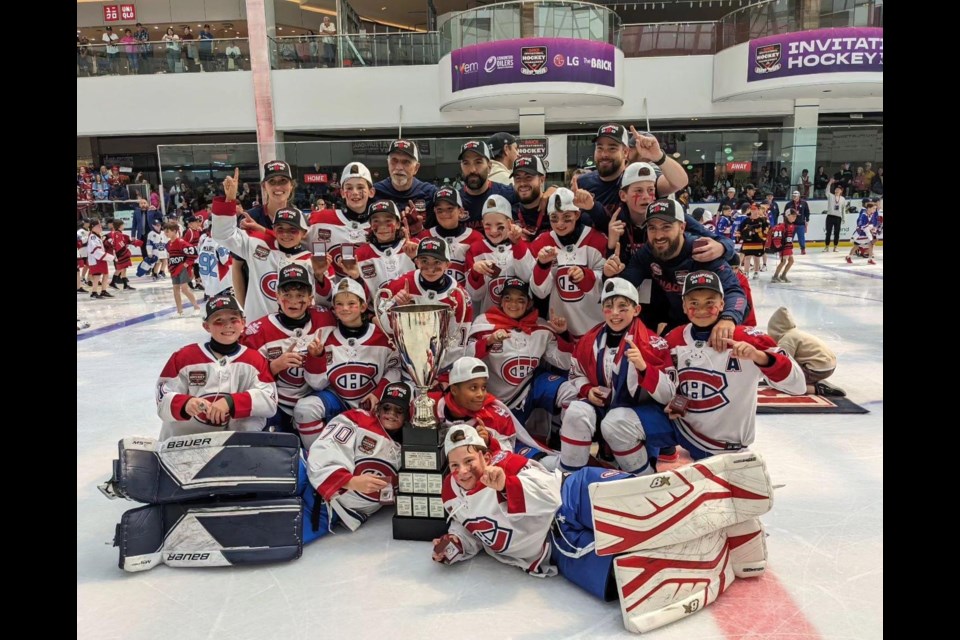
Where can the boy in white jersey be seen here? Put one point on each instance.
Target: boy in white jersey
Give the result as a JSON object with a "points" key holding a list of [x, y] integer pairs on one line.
{"points": [[717, 390], [501, 253], [450, 228], [217, 385], [347, 226], [348, 364], [388, 252], [569, 265], [284, 338]]}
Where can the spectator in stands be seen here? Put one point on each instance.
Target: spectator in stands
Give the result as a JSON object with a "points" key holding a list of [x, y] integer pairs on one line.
{"points": [[805, 184], [859, 185], [172, 42], [130, 50], [876, 185], [730, 199], [844, 176], [144, 50], [234, 56], [206, 49], [189, 55], [781, 185], [868, 174], [83, 56], [328, 29], [110, 38], [820, 183], [765, 183]]}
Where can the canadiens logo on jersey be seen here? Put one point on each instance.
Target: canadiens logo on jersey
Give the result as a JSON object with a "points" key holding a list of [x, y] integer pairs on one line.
{"points": [[704, 389], [516, 370], [268, 285], [489, 533], [567, 288], [658, 343], [378, 469], [353, 380]]}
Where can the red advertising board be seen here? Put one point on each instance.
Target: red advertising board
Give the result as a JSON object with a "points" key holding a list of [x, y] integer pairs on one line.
{"points": [[314, 178], [110, 13], [739, 166], [128, 12]]}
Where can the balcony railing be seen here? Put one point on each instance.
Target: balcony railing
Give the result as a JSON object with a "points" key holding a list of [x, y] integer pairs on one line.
{"points": [[355, 50], [787, 16], [144, 58]]}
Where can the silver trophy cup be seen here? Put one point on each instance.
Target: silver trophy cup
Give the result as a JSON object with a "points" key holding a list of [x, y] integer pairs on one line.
{"points": [[420, 333]]}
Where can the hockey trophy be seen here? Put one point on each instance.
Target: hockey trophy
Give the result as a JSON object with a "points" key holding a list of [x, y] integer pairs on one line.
{"points": [[420, 334]]}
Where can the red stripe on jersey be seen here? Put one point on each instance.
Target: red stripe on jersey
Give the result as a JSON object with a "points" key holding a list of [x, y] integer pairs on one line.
{"points": [[628, 451], [581, 443], [336, 481], [242, 405], [516, 502], [310, 428]]}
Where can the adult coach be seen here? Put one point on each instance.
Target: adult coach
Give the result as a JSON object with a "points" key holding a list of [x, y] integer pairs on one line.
{"points": [[412, 196], [610, 151], [475, 163]]}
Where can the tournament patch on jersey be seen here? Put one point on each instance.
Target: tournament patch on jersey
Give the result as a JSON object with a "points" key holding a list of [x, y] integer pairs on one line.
{"points": [[323, 235], [496, 347], [368, 444], [261, 253], [274, 352], [368, 270], [502, 455], [198, 378]]}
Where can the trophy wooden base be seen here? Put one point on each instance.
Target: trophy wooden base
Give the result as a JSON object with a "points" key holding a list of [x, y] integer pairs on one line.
{"points": [[423, 529]]}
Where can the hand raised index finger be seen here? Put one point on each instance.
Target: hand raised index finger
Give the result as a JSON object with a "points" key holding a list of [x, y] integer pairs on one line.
{"points": [[236, 174], [574, 186], [406, 287], [616, 251], [616, 215]]}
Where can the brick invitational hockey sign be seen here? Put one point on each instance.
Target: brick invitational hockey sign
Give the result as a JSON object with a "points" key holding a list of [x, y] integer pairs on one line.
{"points": [[819, 51]]}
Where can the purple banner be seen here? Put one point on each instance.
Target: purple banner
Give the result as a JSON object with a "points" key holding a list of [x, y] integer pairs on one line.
{"points": [[532, 60], [821, 51]]}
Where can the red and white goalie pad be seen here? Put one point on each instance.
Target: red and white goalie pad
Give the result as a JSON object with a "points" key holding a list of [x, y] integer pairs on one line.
{"points": [[680, 505], [660, 586]]}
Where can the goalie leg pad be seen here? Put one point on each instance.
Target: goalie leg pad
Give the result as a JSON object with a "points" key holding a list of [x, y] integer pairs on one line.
{"points": [[220, 463], [211, 534], [660, 586], [679, 505], [748, 548]]}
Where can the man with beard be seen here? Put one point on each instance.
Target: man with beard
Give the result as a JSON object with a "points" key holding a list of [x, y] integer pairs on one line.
{"points": [[611, 146], [529, 177], [475, 166], [412, 196], [667, 257]]}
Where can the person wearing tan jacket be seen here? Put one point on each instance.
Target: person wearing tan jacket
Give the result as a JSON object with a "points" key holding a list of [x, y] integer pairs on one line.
{"points": [[813, 355]]}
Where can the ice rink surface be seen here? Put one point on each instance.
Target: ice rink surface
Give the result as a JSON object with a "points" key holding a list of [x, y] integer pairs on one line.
{"points": [[825, 571]]}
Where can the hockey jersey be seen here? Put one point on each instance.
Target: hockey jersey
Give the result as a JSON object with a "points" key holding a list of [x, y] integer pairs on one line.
{"points": [[725, 226], [82, 236], [450, 294], [578, 302], [157, 245], [335, 229], [722, 390], [513, 362], [263, 256], [271, 339], [352, 444], [458, 243], [380, 266], [96, 253], [513, 261], [597, 365], [214, 264], [510, 525], [195, 371], [353, 366], [495, 415], [182, 256]]}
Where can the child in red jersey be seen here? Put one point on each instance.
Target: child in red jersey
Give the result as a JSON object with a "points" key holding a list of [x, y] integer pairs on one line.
{"points": [[120, 242], [781, 236], [97, 258], [182, 257]]}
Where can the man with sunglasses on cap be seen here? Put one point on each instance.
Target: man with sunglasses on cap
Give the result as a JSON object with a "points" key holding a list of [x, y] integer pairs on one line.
{"points": [[475, 163], [413, 197], [503, 152]]}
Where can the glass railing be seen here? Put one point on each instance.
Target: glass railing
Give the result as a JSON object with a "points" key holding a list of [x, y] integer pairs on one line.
{"points": [[355, 50], [787, 16], [144, 58], [668, 39], [772, 159], [513, 20]]}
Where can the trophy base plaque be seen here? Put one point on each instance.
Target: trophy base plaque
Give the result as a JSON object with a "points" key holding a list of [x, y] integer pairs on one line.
{"points": [[419, 506]]}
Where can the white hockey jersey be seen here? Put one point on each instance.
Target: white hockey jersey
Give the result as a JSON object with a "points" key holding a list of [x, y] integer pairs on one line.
{"points": [[157, 245], [722, 390], [335, 229], [513, 362], [82, 236], [268, 336], [579, 302], [353, 367], [195, 371], [457, 247], [512, 260], [263, 256], [352, 444], [510, 525], [214, 262], [380, 266]]}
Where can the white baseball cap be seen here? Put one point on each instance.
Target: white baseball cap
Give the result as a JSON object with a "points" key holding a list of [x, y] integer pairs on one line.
{"points": [[561, 200], [497, 204], [348, 285], [467, 368], [638, 172], [356, 170], [470, 436], [620, 287]]}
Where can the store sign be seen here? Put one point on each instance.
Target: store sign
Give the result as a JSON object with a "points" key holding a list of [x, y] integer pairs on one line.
{"points": [[848, 49], [526, 60], [382, 147], [533, 147], [110, 13], [739, 166], [128, 12], [316, 178]]}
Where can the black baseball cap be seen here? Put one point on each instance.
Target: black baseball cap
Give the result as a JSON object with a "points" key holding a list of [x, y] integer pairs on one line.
{"points": [[500, 140], [516, 284], [399, 394], [613, 131], [529, 164], [291, 216], [405, 146], [447, 194], [384, 206], [222, 302], [477, 146], [276, 168], [666, 209], [293, 274], [434, 248], [702, 280]]}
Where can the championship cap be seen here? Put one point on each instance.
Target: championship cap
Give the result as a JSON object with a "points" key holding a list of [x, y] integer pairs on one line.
{"points": [[276, 168], [221, 302], [405, 146], [702, 280]]}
